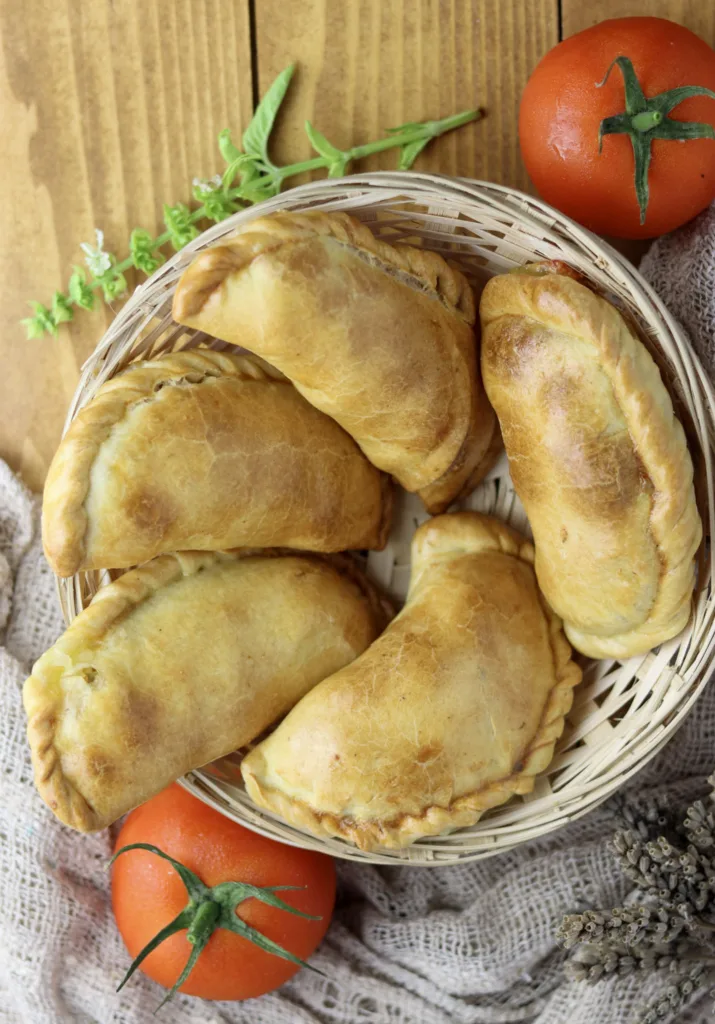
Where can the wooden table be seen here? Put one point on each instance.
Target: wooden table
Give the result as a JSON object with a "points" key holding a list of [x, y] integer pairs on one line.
{"points": [[110, 107]]}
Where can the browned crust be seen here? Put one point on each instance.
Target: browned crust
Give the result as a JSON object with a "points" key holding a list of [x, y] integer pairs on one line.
{"points": [[560, 298], [469, 467], [210, 268], [387, 504], [113, 603], [464, 810], [109, 605], [64, 519]]}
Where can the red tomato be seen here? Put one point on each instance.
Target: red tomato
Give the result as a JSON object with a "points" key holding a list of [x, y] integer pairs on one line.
{"points": [[562, 108], [147, 894]]}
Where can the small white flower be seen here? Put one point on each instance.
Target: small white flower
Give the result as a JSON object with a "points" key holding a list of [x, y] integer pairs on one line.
{"points": [[205, 186], [98, 261]]}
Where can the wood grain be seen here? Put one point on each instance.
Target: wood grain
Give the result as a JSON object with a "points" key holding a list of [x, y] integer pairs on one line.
{"points": [[109, 109], [697, 15], [368, 65]]}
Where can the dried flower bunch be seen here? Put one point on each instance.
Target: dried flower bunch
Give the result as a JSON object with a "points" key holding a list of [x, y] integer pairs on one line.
{"points": [[250, 177], [669, 925]]}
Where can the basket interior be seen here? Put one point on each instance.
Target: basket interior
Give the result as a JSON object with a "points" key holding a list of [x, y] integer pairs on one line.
{"points": [[623, 712]]}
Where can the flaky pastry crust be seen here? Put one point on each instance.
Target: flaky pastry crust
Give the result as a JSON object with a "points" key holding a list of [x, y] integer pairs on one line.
{"points": [[168, 668], [231, 456], [378, 336], [363, 739], [598, 458], [210, 268]]}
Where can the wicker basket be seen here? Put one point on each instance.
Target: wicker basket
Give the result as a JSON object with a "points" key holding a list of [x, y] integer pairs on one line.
{"points": [[623, 713]]}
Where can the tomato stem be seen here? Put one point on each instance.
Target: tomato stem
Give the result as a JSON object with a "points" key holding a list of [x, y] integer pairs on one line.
{"points": [[212, 908], [646, 118], [203, 923]]}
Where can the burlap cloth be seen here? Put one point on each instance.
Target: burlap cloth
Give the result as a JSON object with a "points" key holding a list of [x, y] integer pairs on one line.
{"points": [[464, 945]]}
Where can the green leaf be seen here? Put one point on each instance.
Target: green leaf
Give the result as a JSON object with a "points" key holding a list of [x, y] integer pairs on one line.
{"points": [[321, 145], [79, 291], [141, 250], [681, 131], [228, 150], [33, 329], [615, 125], [244, 164], [635, 100], [641, 154], [338, 160], [255, 137], [62, 311], [666, 101], [230, 920], [41, 323], [259, 179], [410, 152], [178, 224], [214, 198], [182, 920], [229, 894], [408, 126], [113, 285], [337, 170], [255, 191], [219, 206], [194, 886], [188, 968]]}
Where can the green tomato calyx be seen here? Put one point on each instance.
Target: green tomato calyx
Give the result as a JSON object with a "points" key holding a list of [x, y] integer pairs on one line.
{"points": [[646, 118], [212, 908]]}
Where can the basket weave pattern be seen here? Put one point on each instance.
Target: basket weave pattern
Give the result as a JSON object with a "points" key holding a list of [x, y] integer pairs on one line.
{"points": [[623, 713]]}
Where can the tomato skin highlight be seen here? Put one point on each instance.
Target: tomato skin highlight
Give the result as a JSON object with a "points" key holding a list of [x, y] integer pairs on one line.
{"points": [[147, 894], [562, 108]]}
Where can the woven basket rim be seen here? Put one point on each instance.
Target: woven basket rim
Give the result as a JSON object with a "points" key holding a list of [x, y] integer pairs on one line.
{"points": [[494, 207]]}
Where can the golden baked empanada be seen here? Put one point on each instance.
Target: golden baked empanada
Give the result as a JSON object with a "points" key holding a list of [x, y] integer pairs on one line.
{"points": [[378, 336], [203, 450], [182, 661], [452, 710], [598, 458]]}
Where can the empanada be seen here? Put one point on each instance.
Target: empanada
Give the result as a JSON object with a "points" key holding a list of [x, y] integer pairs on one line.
{"points": [[203, 450], [598, 458], [378, 336], [182, 661], [452, 710]]}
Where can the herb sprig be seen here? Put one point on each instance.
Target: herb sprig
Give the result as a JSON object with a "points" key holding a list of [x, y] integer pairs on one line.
{"points": [[250, 176], [668, 924]]}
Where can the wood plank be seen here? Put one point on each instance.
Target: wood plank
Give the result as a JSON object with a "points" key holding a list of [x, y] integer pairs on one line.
{"points": [[368, 65], [108, 111], [697, 15]]}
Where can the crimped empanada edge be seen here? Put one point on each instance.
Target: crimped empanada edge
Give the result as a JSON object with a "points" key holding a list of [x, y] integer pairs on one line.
{"points": [[109, 604], [64, 518], [112, 603], [464, 810], [657, 435], [60, 795], [209, 269]]}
